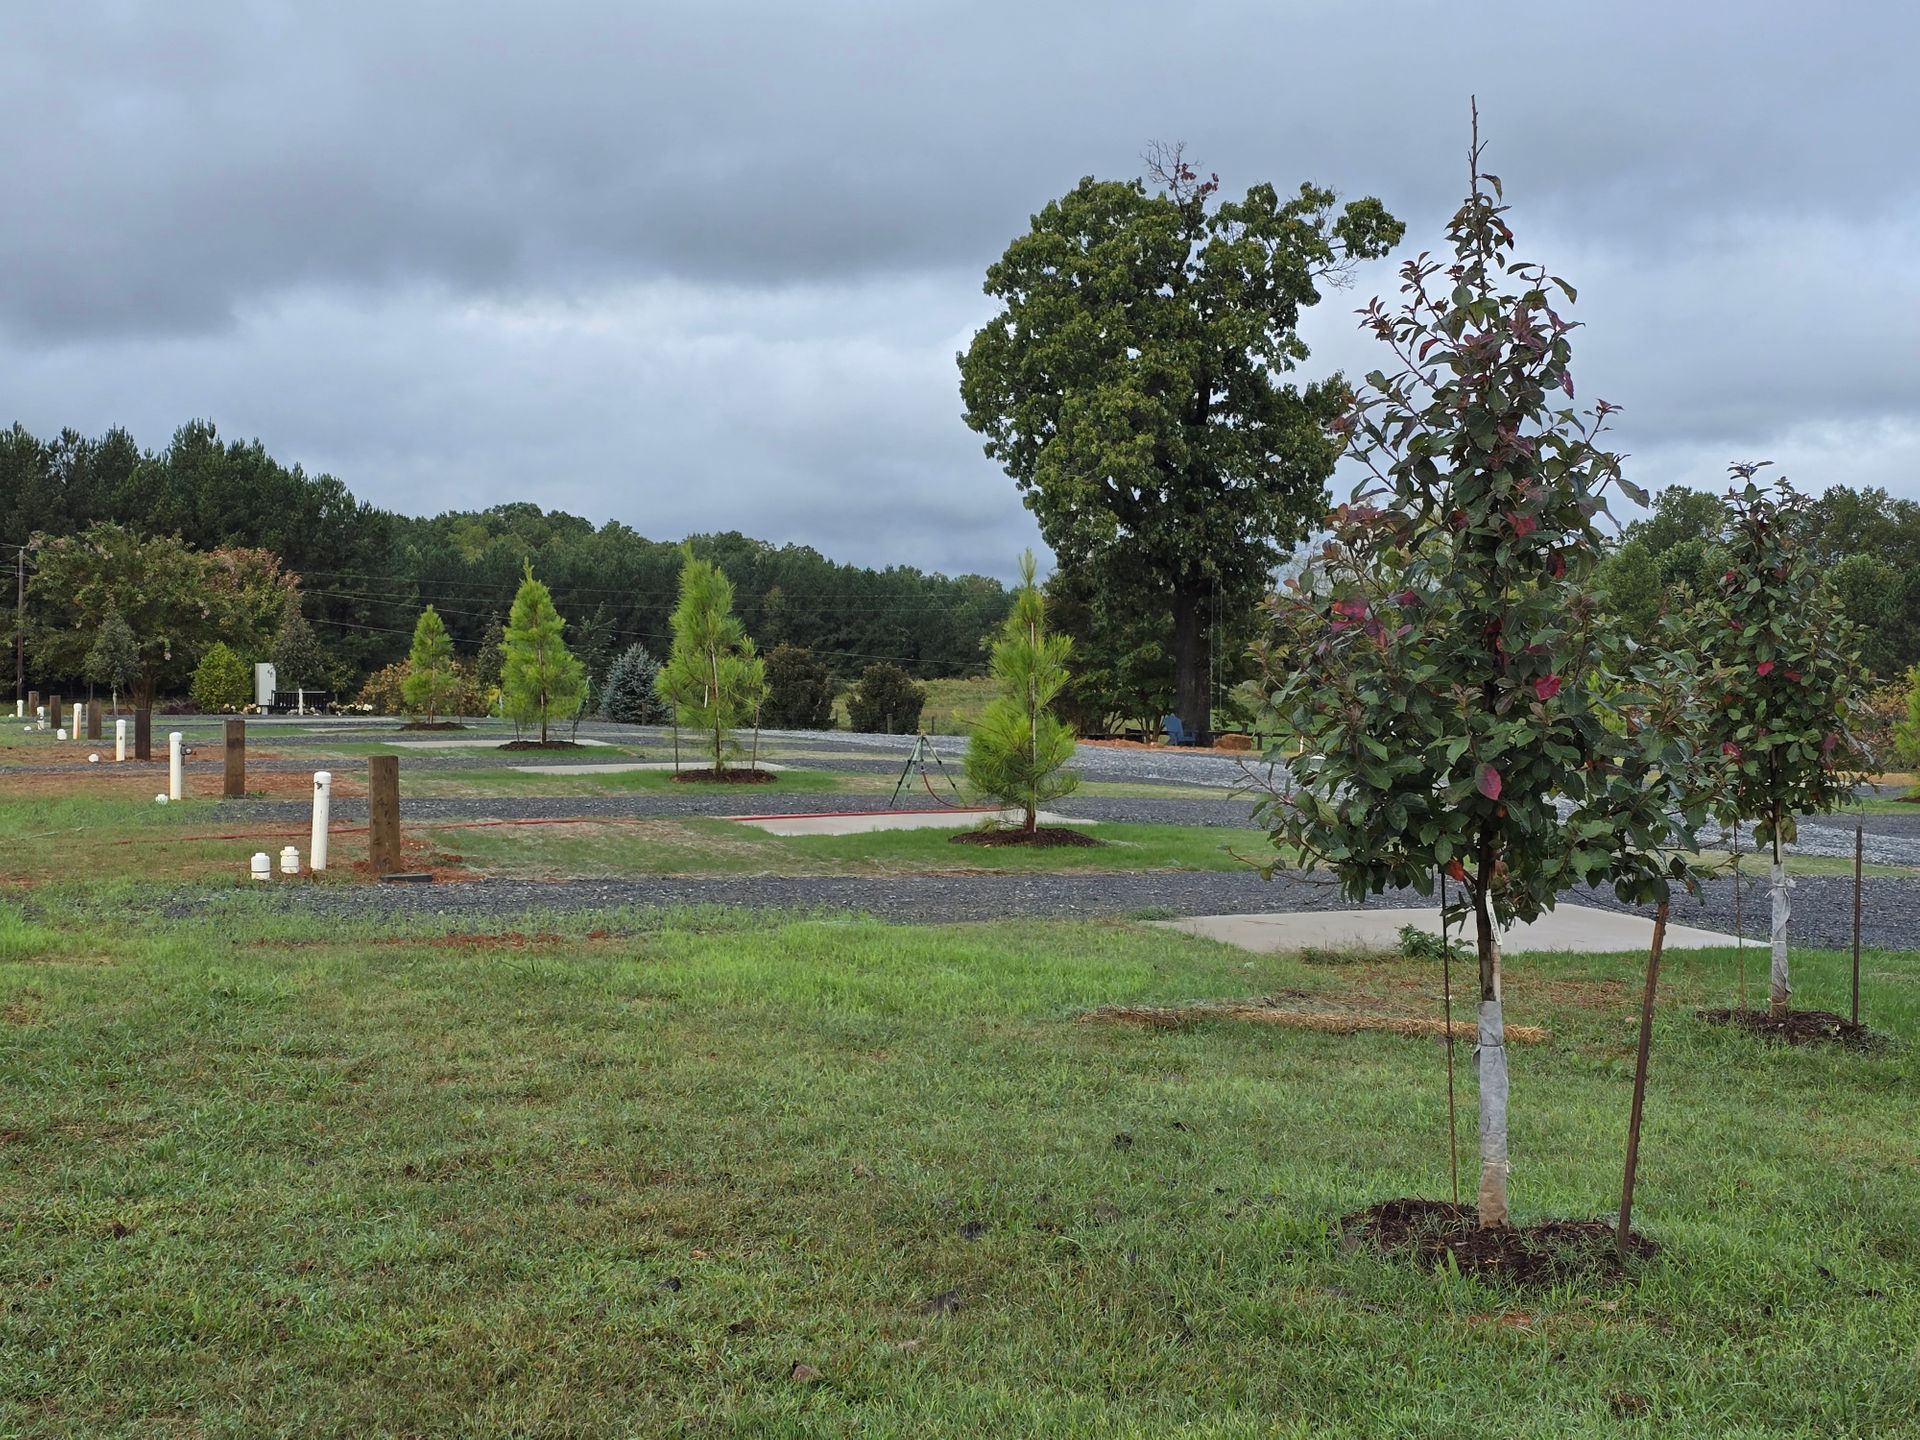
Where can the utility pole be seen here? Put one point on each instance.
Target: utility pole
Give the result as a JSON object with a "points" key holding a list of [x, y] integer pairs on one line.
{"points": [[20, 624]]}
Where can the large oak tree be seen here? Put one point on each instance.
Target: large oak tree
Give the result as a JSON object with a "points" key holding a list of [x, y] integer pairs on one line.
{"points": [[1134, 384]]}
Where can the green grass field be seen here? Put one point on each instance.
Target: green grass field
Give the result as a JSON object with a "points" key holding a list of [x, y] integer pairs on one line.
{"points": [[270, 1177]]}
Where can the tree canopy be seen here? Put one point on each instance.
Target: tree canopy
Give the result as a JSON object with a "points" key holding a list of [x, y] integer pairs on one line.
{"points": [[1133, 385]]}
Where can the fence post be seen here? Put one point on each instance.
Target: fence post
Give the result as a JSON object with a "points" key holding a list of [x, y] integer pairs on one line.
{"points": [[236, 776], [143, 733], [54, 711], [383, 814], [95, 722]]}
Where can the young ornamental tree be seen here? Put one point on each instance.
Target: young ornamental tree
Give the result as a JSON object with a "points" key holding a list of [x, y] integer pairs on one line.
{"points": [[114, 660], [628, 694], [712, 677], [541, 682], [1786, 675], [1019, 749], [1440, 668], [220, 680], [433, 683], [799, 690], [885, 701]]}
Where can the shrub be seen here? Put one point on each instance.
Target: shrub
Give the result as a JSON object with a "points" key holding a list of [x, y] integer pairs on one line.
{"points": [[1906, 733], [221, 680], [800, 691], [629, 694], [384, 690], [885, 702]]}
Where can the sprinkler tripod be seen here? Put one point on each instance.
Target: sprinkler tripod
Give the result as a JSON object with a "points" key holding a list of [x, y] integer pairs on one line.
{"points": [[923, 751]]}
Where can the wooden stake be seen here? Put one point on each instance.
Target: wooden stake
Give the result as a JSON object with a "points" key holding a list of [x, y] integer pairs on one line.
{"points": [[143, 733], [1446, 990], [53, 712], [1640, 1079], [1859, 858], [1739, 935], [236, 777], [383, 814], [93, 721]]}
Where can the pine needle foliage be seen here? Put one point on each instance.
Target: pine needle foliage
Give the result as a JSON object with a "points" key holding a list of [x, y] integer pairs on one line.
{"points": [[1019, 750], [713, 679], [432, 684], [541, 681]]}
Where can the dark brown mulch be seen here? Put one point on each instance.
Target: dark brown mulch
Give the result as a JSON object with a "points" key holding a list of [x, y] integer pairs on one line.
{"points": [[537, 745], [1797, 1027], [1547, 1251], [1045, 837], [433, 725], [732, 776]]}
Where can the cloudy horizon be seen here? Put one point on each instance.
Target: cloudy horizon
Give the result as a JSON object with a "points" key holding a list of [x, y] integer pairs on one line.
{"points": [[697, 270]]}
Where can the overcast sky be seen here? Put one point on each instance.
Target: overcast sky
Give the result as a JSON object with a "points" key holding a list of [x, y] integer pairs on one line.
{"points": [[707, 266]]}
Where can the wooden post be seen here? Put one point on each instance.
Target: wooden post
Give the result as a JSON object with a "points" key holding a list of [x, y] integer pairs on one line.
{"points": [[383, 814], [93, 722], [1446, 991], [33, 703], [1640, 1079], [143, 733], [53, 712], [236, 782], [1859, 857]]}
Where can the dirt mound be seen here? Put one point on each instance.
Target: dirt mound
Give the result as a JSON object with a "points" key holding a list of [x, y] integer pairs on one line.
{"points": [[1046, 837], [1797, 1027], [1544, 1253], [734, 775]]}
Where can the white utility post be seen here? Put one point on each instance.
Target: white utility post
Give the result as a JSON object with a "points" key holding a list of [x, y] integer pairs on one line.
{"points": [[80, 720], [322, 804], [119, 740], [174, 741]]}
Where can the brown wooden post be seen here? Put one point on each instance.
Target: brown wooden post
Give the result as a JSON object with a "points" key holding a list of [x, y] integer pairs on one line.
{"points": [[1859, 857], [33, 704], [236, 786], [93, 722], [1640, 1078], [383, 814], [53, 712], [143, 733]]}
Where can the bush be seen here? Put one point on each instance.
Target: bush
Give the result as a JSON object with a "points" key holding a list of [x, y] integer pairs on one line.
{"points": [[885, 702], [1906, 731], [627, 694], [385, 689], [800, 690], [221, 681]]}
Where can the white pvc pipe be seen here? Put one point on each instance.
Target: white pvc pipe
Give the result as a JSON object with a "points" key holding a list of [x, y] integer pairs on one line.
{"points": [[119, 740], [79, 719], [174, 741], [290, 861], [19, 709], [322, 804], [262, 865]]}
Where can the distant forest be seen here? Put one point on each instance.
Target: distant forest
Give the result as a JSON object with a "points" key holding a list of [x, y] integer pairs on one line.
{"points": [[364, 572]]}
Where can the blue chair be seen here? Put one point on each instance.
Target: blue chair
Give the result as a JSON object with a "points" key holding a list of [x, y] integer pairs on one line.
{"points": [[1178, 734]]}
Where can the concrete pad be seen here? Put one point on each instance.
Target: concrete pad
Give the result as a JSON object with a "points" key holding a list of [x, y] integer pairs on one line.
{"points": [[470, 742], [620, 767], [867, 822], [1579, 928]]}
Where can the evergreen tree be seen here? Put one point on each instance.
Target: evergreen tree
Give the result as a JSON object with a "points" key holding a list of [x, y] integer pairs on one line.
{"points": [[1906, 735], [221, 681], [540, 679], [628, 694], [114, 660], [297, 658], [712, 678], [1019, 750], [885, 701], [491, 658], [432, 684], [799, 690]]}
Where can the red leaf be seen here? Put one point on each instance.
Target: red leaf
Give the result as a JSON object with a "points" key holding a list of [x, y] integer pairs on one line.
{"points": [[1763, 669], [1523, 525], [1456, 870], [1547, 688], [1489, 782]]}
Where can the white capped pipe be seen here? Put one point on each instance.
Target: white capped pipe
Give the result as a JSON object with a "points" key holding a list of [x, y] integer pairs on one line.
{"points": [[262, 865], [322, 805], [290, 861], [61, 733], [79, 718], [119, 739], [174, 740]]}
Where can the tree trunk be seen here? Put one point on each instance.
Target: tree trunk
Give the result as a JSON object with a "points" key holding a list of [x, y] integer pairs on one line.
{"points": [[1780, 992], [1192, 697], [1492, 1061]]}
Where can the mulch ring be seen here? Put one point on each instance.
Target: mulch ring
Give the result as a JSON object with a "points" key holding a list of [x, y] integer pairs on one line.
{"points": [[1798, 1027], [734, 775], [538, 744], [1045, 837], [433, 725], [1434, 1232]]}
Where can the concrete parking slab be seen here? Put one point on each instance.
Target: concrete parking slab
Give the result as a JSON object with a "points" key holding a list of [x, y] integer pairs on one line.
{"points": [[1578, 928], [867, 822]]}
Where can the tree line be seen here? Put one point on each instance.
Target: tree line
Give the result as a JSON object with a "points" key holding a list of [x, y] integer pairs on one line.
{"points": [[363, 573]]}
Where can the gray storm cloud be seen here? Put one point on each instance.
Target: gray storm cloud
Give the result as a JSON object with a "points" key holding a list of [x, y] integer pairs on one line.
{"points": [[697, 267]]}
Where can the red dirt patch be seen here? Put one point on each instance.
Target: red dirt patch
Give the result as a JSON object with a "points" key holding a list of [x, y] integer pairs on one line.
{"points": [[1797, 1027], [416, 858], [1046, 837], [735, 776], [1430, 1231], [1218, 749]]}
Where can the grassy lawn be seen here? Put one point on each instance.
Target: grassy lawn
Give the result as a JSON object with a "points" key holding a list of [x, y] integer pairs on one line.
{"points": [[270, 1177]]}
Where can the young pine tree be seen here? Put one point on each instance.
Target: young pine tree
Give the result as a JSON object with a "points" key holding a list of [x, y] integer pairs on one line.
{"points": [[712, 677], [297, 657], [1019, 750], [114, 660], [540, 680], [432, 684], [628, 694]]}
